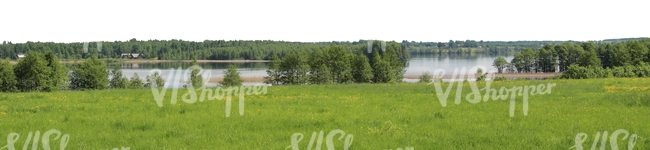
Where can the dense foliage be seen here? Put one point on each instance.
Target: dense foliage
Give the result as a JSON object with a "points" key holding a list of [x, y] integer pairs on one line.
{"points": [[44, 73], [583, 60], [336, 64]]}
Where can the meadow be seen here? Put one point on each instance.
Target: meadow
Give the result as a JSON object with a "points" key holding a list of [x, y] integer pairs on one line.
{"points": [[379, 116]]}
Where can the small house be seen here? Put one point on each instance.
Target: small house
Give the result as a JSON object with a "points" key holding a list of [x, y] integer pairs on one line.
{"points": [[132, 55]]}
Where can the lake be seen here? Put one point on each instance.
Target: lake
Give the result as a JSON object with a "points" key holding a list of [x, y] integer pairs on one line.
{"points": [[417, 65]]}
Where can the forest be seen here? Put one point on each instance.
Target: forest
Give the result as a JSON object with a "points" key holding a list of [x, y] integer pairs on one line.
{"points": [[251, 50]]}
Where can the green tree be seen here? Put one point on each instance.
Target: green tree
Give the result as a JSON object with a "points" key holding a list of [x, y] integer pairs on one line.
{"points": [[500, 63], [452, 44], [273, 72], [338, 61], [361, 69], [117, 79], [196, 80], [58, 74], [231, 77], [7, 77], [154, 80], [294, 68], [563, 56], [322, 75], [32, 73], [397, 69], [481, 76], [546, 61], [622, 56], [88, 75], [382, 73], [638, 50], [606, 54], [589, 46], [135, 82], [589, 59], [524, 61]]}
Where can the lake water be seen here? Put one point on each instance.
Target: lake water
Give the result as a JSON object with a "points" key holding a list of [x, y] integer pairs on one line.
{"points": [[417, 65]]}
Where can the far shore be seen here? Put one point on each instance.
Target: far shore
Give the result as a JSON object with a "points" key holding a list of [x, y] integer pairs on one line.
{"points": [[257, 79], [507, 75], [158, 61]]}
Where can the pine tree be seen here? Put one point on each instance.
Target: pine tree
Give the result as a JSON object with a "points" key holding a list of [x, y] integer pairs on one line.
{"points": [[231, 77]]}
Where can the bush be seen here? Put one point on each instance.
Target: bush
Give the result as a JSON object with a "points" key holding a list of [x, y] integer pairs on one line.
{"points": [[425, 77], [577, 72], [90, 74], [135, 82], [32, 73], [500, 79]]}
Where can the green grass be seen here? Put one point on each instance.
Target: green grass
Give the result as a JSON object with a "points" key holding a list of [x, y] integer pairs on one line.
{"points": [[386, 116]]}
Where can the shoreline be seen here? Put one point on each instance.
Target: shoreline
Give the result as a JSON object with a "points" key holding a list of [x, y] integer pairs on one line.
{"points": [[507, 75], [255, 79]]}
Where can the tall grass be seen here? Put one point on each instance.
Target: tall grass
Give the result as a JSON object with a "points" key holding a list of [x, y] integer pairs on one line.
{"points": [[384, 116]]}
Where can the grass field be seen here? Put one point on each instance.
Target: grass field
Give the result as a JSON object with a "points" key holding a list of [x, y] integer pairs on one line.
{"points": [[385, 116]]}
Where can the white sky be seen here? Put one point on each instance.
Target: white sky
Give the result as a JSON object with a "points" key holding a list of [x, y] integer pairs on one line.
{"points": [[330, 20]]}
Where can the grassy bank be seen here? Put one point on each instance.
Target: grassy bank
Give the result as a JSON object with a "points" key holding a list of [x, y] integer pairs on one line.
{"points": [[386, 116]]}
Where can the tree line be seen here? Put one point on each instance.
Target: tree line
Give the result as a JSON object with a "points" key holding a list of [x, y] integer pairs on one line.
{"points": [[489, 47], [253, 50], [172, 49], [39, 72], [583, 60], [336, 65]]}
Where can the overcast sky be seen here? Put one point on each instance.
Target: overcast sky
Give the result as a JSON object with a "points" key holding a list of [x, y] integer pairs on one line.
{"points": [[312, 21]]}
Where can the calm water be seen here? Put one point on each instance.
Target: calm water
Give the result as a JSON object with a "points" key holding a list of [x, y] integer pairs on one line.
{"points": [[417, 65]]}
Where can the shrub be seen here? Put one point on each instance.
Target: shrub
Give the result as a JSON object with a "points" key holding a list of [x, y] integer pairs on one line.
{"points": [[425, 77]]}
